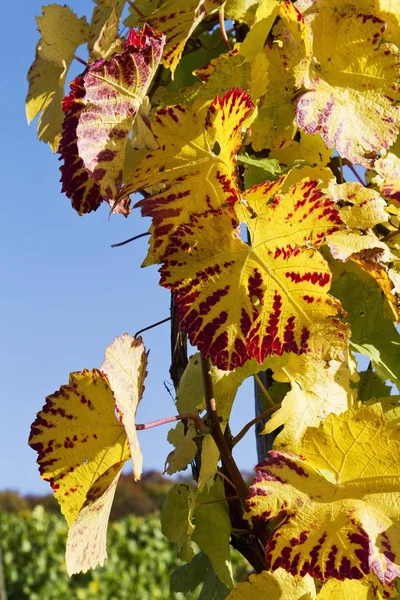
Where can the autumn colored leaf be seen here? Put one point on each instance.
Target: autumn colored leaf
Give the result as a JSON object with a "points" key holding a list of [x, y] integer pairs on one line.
{"points": [[348, 588], [185, 448], [279, 585], [196, 161], [337, 501], [87, 536], [125, 366], [325, 388], [238, 301], [388, 177], [82, 446], [310, 149], [99, 113], [178, 21], [102, 26], [353, 85], [46, 76], [361, 210], [78, 438]]}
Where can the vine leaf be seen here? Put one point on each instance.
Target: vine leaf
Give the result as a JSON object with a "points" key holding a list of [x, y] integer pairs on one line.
{"points": [[188, 515], [102, 25], [187, 577], [87, 536], [196, 159], [324, 388], [61, 33], [99, 113], [178, 21], [348, 588], [82, 446], [310, 149], [125, 366], [373, 332], [238, 302], [363, 209], [279, 585], [337, 500], [353, 85], [185, 448], [388, 177], [78, 438]]}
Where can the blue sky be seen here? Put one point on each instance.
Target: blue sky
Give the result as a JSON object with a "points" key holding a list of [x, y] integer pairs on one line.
{"points": [[65, 293]]}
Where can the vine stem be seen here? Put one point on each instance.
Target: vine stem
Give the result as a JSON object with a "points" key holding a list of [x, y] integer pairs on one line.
{"points": [[215, 429], [198, 421], [132, 239], [264, 391], [83, 62], [250, 424], [221, 15], [152, 326]]}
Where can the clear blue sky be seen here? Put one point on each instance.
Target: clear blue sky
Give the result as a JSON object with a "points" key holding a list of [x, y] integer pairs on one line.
{"points": [[65, 293]]}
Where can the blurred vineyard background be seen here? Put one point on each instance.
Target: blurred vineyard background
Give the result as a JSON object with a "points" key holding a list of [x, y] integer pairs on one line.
{"points": [[140, 559]]}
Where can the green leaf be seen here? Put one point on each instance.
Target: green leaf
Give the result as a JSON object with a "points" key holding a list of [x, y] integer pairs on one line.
{"points": [[258, 170], [373, 333], [371, 386], [204, 518], [188, 577]]}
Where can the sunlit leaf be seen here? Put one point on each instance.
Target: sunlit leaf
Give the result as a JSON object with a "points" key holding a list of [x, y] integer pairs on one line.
{"points": [[105, 18], [178, 21], [46, 76], [388, 177], [62, 32], [310, 149], [343, 590], [275, 586], [196, 160], [185, 448], [87, 536], [78, 438], [237, 301], [100, 112], [125, 366], [337, 501], [353, 84]]}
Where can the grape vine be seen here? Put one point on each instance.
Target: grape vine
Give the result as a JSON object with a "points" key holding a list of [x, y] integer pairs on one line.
{"points": [[263, 137]]}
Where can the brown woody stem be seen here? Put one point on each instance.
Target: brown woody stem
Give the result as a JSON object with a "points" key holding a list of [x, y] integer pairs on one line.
{"points": [[83, 62], [215, 429], [198, 421], [221, 15]]}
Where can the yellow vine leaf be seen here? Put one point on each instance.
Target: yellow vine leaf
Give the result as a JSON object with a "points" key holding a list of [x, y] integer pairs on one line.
{"points": [[82, 445], [353, 85], [125, 366], [108, 41], [178, 21], [387, 177], [102, 25], [343, 590], [62, 32], [185, 448], [279, 585], [87, 536], [46, 76], [238, 302], [337, 500], [310, 149], [324, 389], [196, 159], [78, 438]]}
